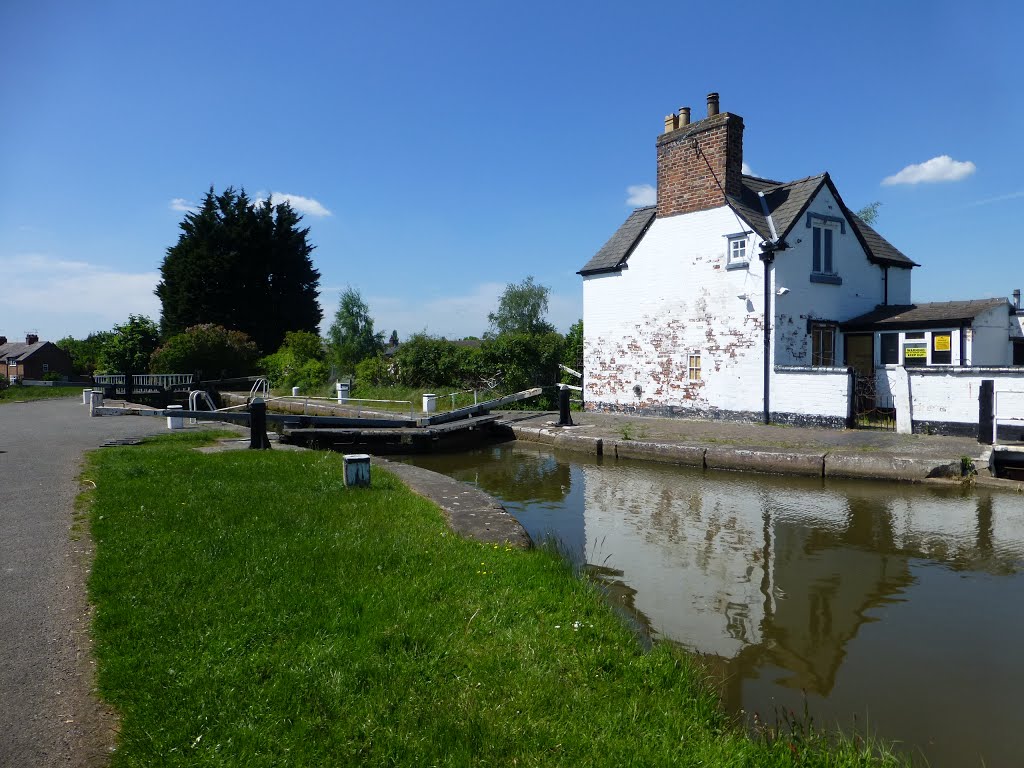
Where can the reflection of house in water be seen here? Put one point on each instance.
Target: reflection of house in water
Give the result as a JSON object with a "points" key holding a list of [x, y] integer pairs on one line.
{"points": [[779, 572]]}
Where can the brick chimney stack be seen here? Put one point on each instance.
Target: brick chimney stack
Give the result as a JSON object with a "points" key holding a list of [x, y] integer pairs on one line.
{"points": [[31, 338], [692, 156]]}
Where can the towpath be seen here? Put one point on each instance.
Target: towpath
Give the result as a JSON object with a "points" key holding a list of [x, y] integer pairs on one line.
{"points": [[48, 715], [770, 448]]}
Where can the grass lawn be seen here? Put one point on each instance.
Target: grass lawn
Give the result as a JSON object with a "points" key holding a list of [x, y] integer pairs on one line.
{"points": [[19, 393], [253, 611]]}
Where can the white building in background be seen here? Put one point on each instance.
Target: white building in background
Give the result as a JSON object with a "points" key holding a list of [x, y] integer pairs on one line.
{"points": [[737, 297]]}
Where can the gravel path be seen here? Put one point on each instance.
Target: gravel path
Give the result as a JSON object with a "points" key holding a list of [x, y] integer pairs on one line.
{"points": [[48, 713]]}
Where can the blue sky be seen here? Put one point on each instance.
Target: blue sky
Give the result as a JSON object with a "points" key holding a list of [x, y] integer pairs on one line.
{"points": [[441, 150]]}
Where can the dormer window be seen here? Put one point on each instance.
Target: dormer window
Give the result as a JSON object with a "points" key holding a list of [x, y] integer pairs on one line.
{"points": [[736, 251]]}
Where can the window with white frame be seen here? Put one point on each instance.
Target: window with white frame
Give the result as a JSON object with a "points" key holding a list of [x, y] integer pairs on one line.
{"points": [[46, 367], [823, 345], [694, 368], [736, 251]]}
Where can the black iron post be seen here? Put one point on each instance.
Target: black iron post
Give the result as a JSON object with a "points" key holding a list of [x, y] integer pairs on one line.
{"points": [[258, 424], [767, 258], [986, 410], [564, 418]]}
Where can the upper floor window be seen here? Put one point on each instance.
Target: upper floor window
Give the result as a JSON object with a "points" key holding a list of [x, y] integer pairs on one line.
{"points": [[736, 251], [823, 345], [825, 232], [823, 259]]}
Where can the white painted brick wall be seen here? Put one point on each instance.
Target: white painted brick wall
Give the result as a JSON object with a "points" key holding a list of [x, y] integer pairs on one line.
{"points": [[949, 394], [991, 344], [676, 298], [861, 291], [811, 392]]}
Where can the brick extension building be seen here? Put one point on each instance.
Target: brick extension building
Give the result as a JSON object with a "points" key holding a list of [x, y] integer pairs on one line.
{"points": [[33, 359]]}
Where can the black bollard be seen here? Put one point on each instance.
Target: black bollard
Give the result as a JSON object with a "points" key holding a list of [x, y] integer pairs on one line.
{"points": [[986, 410], [258, 424], [564, 418]]}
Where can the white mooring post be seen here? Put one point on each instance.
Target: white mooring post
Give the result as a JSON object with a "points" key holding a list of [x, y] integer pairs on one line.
{"points": [[295, 391], [342, 392], [86, 396], [357, 469], [175, 421], [429, 403], [95, 401]]}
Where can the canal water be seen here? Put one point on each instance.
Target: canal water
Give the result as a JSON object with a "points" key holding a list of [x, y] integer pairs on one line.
{"points": [[895, 609]]}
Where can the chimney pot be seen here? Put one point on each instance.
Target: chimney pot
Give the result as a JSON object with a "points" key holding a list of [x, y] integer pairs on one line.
{"points": [[684, 116], [712, 104], [670, 123]]}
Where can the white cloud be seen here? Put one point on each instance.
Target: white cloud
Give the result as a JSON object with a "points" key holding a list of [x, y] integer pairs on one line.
{"points": [[747, 170], [181, 204], [641, 194], [59, 297], [303, 205], [941, 168], [999, 199]]}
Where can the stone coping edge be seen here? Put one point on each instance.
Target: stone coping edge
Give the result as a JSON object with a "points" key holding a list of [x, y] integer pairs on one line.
{"points": [[860, 465], [470, 512]]}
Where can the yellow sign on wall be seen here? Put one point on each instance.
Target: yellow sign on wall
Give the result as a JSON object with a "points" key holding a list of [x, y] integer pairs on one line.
{"points": [[941, 342], [914, 352]]}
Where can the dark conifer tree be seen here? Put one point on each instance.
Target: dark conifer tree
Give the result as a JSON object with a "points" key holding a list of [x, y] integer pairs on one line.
{"points": [[241, 265]]}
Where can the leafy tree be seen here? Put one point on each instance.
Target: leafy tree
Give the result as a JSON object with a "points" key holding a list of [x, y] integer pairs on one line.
{"points": [[351, 338], [393, 341], [375, 371], [241, 265], [572, 354], [522, 309], [130, 345], [299, 362], [85, 353], [209, 351], [869, 213], [427, 361], [525, 360]]}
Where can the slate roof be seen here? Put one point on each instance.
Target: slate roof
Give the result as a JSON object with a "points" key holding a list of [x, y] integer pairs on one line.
{"points": [[896, 317], [614, 253], [19, 350], [786, 203]]}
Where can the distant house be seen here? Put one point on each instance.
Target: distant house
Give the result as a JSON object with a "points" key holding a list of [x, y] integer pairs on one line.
{"points": [[742, 298], [33, 359]]}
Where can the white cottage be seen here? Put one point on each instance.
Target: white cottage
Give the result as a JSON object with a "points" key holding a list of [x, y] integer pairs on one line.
{"points": [[727, 299]]}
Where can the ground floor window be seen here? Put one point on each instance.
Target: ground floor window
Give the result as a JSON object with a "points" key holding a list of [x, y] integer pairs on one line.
{"points": [[694, 368], [823, 345], [1018, 353], [942, 348], [889, 346]]}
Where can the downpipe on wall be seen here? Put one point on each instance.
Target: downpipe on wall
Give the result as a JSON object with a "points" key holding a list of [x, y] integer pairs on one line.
{"points": [[768, 249]]}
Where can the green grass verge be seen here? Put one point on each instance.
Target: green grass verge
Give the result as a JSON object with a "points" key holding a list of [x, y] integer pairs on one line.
{"points": [[19, 393], [253, 611]]}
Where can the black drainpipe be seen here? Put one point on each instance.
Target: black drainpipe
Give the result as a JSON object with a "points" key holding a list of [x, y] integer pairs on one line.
{"points": [[768, 249]]}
